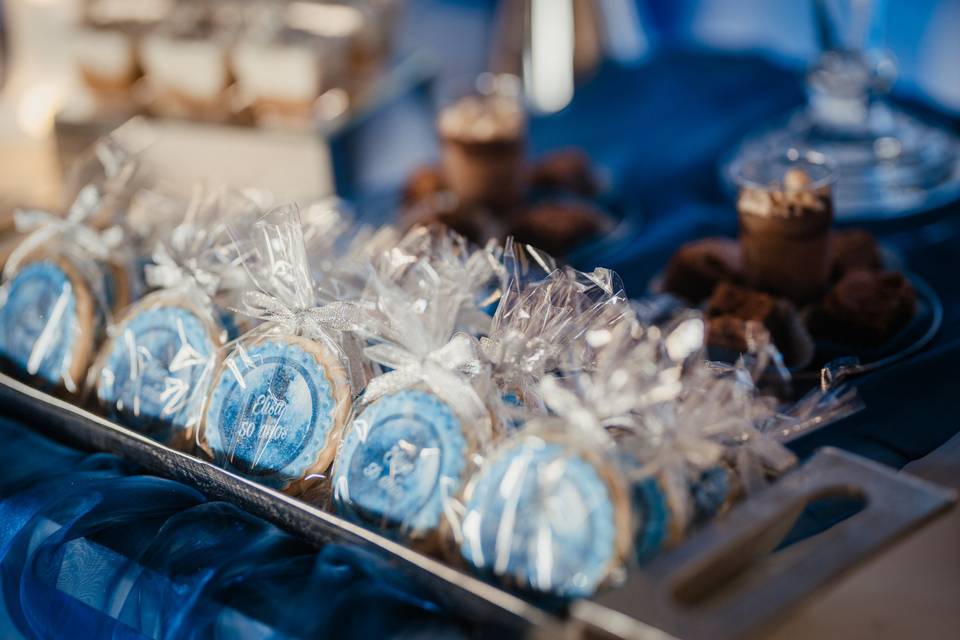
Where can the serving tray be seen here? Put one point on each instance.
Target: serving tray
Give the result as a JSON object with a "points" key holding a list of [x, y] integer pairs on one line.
{"points": [[724, 581]]}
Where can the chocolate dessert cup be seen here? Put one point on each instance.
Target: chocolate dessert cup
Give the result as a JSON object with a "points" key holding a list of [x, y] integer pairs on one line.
{"points": [[785, 210], [483, 141]]}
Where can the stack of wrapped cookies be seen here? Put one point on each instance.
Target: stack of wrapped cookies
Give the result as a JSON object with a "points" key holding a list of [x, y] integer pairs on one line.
{"points": [[514, 416]]}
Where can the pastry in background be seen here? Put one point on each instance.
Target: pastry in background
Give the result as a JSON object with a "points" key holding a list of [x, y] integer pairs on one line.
{"points": [[567, 170], [853, 249], [557, 226], [105, 43], [185, 60], [865, 308], [777, 315], [699, 266]]}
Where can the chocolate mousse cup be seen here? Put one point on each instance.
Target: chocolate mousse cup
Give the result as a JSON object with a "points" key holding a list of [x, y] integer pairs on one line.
{"points": [[785, 209], [483, 142]]}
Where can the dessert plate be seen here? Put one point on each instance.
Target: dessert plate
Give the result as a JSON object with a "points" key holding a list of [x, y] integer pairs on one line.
{"points": [[835, 360], [840, 361]]}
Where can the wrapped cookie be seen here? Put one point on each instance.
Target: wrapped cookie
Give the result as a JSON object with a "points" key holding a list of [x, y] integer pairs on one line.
{"points": [[548, 509], [150, 371], [477, 273], [61, 285], [408, 448], [539, 326], [281, 394]]}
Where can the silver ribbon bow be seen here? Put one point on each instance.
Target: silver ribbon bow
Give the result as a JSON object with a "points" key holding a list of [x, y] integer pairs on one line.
{"points": [[335, 317], [43, 226]]}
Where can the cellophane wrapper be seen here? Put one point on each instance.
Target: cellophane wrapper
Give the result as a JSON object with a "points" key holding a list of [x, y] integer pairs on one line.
{"points": [[420, 423], [540, 324], [151, 370], [644, 411], [67, 277], [476, 273], [280, 395]]}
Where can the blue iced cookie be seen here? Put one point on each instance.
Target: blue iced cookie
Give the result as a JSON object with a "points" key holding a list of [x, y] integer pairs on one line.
{"points": [[546, 518], [653, 518], [149, 373], [712, 492], [402, 457], [49, 322], [276, 410]]}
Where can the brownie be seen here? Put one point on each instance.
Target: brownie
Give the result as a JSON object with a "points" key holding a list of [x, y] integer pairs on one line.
{"points": [[425, 182], [776, 314], [732, 335], [565, 170], [697, 267], [865, 308], [558, 227], [851, 250], [475, 223]]}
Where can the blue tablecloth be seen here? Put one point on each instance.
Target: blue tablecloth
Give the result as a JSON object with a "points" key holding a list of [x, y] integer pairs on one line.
{"points": [[89, 548]]}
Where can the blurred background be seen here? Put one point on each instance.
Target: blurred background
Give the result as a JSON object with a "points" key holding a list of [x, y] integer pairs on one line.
{"points": [[307, 98], [255, 91]]}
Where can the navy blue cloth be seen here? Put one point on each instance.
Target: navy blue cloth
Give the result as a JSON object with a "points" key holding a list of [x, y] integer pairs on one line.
{"points": [[662, 130]]}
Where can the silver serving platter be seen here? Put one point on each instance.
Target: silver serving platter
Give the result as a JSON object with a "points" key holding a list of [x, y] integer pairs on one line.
{"points": [[724, 581]]}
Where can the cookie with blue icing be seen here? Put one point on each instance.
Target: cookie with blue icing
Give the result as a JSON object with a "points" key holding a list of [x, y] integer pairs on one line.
{"points": [[49, 322], [546, 516], [401, 459], [149, 373], [713, 492], [276, 410], [661, 515]]}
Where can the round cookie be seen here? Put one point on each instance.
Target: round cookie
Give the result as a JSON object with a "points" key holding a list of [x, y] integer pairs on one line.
{"points": [[660, 518], [546, 517], [402, 458], [148, 373], [276, 409], [49, 322], [713, 492]]}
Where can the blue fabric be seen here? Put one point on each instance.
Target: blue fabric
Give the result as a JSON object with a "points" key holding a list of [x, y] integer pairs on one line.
{"points": [[89, 548], [663, 139]]}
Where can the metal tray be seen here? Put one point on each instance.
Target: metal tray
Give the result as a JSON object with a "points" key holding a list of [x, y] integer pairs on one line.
{"points": [[724, 581]]}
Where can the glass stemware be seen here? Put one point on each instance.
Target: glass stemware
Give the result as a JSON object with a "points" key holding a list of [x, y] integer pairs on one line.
{"points": [[890, 163]]}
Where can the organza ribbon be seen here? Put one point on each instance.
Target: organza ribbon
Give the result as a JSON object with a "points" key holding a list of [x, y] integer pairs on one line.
{"points": [[44, 226], [167, 272], [446, 370], [313, 321]]}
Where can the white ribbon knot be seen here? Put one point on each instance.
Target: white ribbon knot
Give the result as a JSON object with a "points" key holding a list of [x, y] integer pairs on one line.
{"points": [[447, 370], [167, 272]]}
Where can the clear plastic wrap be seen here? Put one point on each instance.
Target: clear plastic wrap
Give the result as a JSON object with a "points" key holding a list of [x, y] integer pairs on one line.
{"points": [[150, 370], [281, 394], [548, 511], [540, 325], [65, 278], [476, 273], [411, 441]]}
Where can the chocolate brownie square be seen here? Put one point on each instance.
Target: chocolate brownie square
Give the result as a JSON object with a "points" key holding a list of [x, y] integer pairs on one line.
{"points": [[851, 250], [697, 267], [865, 308]]}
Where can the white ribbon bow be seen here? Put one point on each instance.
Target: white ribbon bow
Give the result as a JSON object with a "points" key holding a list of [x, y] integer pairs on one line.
{"points": [[167, 272], [446, 370]]}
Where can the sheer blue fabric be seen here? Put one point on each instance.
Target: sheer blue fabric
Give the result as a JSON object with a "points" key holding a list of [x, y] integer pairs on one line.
{"points": [[90, 549]]}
